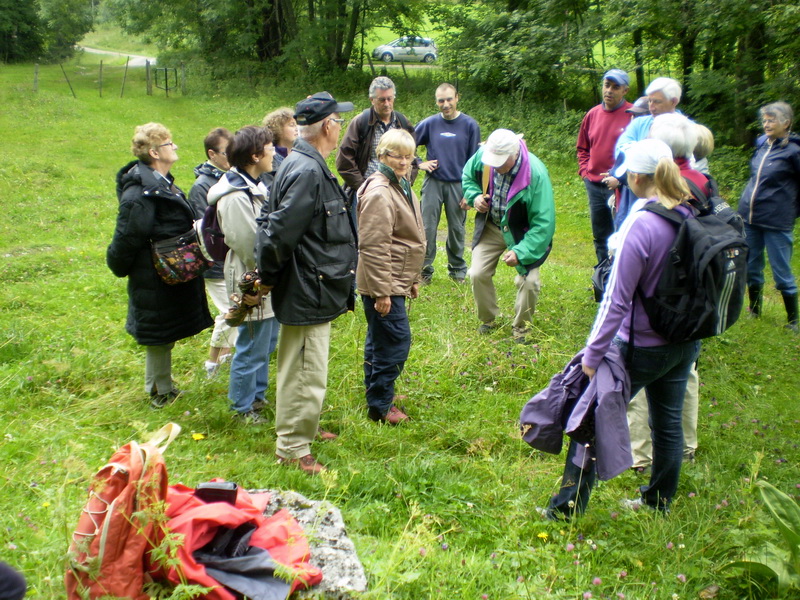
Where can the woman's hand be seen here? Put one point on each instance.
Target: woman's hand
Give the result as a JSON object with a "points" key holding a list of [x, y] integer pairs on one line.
{"points": [[383, 305], [414, 293], [588, 371]]}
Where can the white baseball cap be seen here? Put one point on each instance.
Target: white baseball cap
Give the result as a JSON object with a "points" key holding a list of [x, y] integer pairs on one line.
{"points": [[642, 157], [501, 144]]}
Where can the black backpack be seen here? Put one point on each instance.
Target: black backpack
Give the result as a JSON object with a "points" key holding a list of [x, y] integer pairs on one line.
{"points": [[213, 237], [715, 204], [701, 290]]}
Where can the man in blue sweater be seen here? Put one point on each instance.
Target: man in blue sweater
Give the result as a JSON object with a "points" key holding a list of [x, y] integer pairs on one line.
{"points": [[450, 138]]}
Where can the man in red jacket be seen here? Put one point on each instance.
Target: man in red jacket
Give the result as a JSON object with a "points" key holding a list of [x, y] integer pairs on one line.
{"points": [[598, 134]]}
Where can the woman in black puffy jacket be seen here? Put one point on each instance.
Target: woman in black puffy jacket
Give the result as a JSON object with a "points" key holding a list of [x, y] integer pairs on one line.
{"points": [[152, 208]]}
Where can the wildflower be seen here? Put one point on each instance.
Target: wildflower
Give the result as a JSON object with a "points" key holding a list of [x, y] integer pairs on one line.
{"points": [[12, 546], [520, 579], [570, 547], [623, 574], [670, 545], [45, 504], [445, 547], [620, 595], [542, 535], [587, 595], [198, 436], [692, 494], [681, 577], [422, 551], [597, 581]]}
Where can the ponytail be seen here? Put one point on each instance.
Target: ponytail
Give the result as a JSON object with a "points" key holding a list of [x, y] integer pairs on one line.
{"points": [[671, 187]]}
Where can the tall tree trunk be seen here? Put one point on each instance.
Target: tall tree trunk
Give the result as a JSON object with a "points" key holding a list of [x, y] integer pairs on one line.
{"points": [[637, 57]]}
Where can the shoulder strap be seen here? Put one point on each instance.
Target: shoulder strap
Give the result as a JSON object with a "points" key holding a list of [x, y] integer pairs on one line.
{"points": [[670, 215], [363, 125]]}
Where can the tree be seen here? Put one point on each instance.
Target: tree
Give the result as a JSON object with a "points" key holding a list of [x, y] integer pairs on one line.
{"points": [[20, 30], [64, 22]]}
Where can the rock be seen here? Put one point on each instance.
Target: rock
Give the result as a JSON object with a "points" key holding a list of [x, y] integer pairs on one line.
{"points": [[332, 551]]}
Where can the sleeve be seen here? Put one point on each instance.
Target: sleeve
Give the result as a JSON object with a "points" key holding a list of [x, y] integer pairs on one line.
{"points": [[541, 218], [474, 138], [582, 146], [376, 221], [471, 178], [412, 176], [629, 265], [198, 197], [291, 214], [134, 227], [238, 222], [631, 134], [347, 156]]}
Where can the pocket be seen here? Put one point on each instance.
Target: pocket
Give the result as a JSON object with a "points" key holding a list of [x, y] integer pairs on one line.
{"points": [[337, 222], [335, 285]]}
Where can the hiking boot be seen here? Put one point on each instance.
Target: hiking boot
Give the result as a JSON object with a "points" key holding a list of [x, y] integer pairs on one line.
{"points": [[756, 295], [325, 436], [161, 400], [487, 328], [259, 405], [305, 463], [521, 335], [249, 417], [394, 416], [790, 302]]}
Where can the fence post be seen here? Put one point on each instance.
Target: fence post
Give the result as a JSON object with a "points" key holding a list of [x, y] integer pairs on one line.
{"points": [[101, 78], [36, 78], [124, 77], [147, 78], [183, 79], [67, 78]]}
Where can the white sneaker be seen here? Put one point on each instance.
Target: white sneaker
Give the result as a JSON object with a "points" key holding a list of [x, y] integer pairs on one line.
{"points": [[211, 368]]}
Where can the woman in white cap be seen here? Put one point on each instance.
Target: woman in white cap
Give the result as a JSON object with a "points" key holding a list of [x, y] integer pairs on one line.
{"points": [[656, 365]]}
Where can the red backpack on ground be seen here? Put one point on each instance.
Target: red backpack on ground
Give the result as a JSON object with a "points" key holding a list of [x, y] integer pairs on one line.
{"points": [[114, 532]]}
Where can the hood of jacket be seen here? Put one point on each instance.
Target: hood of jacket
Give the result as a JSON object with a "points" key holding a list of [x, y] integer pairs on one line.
{"points": [[234, 181], [208, 170], [138, 173]]}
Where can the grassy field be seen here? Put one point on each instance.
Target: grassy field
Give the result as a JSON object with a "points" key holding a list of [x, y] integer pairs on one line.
{"points": [[441, 508]]}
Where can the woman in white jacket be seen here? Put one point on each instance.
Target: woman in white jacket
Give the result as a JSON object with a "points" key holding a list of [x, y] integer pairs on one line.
{"points": [[240, 196]]}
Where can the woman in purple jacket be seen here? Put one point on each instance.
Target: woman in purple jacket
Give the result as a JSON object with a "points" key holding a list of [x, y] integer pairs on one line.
{"points": [[653, 363]]}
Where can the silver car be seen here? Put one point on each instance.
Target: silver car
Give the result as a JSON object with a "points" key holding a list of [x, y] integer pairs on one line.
{"points": [[408, 48]]}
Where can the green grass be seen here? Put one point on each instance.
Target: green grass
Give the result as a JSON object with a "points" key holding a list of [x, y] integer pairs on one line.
{"points": [[106, 37], [441, 508]]}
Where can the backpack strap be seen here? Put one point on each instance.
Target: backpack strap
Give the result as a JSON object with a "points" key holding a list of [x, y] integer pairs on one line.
{"points": [[673, 216], [162, 438]]}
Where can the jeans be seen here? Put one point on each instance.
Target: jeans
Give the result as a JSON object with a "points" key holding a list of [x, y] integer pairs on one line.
{"points": [[779, 245], [663, 372], [436, 194], [249, 377], [600, 216], [385, 351]]}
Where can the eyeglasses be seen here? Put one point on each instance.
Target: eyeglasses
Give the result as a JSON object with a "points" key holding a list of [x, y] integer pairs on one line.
{"points": [[172, 144], [387, 99], [223, 153], [339, 121], [399, 157]]}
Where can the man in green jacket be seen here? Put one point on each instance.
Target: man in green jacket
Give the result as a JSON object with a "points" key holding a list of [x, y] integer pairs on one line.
{"points": [[511, 191]]}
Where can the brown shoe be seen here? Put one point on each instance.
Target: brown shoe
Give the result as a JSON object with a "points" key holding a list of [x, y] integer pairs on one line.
{"points": [[395, 416], [325, 436], [306, 463]]}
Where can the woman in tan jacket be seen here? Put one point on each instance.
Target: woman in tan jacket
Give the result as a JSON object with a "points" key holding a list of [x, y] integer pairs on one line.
{"points": [[391, 250]]}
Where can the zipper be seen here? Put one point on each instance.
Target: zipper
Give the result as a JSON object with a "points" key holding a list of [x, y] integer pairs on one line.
{"points": [[758, 180]]}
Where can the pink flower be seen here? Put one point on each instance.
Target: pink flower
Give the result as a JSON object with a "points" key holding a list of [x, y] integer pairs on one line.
{"points": [[622, 574], [570, 547], [681, 577], [670, 545], [587, 595], [597, 581]]}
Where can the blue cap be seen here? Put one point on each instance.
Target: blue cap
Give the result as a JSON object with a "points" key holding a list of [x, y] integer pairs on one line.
{"points": [[617, 76]]}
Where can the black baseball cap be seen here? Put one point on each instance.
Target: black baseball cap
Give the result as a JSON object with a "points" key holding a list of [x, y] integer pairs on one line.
{"points": [[315, 108]]}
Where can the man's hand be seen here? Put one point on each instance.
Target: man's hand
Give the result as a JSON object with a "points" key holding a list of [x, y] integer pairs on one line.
{"points": [[464, 205], [609, 181], [588, 371], [253, 299], [510, 258], [383, 305], [429, 165], [481, 204]]}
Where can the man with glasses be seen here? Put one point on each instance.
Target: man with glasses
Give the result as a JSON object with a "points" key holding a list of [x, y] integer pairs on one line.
{"points": [[450, 138], [306, 255], [356, 159]]}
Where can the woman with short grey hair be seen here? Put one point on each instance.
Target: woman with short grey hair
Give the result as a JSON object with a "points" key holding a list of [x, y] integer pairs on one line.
{"points": [[769, 205]]}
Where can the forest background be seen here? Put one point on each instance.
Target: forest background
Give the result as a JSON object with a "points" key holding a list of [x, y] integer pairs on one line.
{"points": [[443, 508]]}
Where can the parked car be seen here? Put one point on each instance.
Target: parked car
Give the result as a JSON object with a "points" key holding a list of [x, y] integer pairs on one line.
{"points": [[407, 48]]}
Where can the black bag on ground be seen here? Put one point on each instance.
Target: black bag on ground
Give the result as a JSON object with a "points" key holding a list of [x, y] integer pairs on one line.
{"points": [[701, 290]]}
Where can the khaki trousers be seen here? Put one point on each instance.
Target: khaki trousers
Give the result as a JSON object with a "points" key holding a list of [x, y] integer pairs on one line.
{"points": [[639, 425], [485, 257], [302, 381]]}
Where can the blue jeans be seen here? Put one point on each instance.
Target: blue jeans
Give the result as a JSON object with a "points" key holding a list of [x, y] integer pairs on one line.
{"points": [[385, 351], [662, 371], [779, 245], [250, 365], [600, 216]]}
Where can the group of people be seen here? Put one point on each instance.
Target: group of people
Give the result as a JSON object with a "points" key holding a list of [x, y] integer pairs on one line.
{"points": [[316, 245]]}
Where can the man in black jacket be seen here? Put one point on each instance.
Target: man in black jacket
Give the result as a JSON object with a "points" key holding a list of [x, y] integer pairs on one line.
{"points": [[306, 255]]}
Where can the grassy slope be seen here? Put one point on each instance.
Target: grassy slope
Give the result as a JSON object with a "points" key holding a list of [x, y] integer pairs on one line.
{"points": [[442, 508]]}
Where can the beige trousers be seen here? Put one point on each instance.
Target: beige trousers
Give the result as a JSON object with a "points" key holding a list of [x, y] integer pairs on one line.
{"points": [[485, 258], [639, 423], [301, 385]]}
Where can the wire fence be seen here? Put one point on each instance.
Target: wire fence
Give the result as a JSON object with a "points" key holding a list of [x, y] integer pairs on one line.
{"points": [[109, 79]]}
